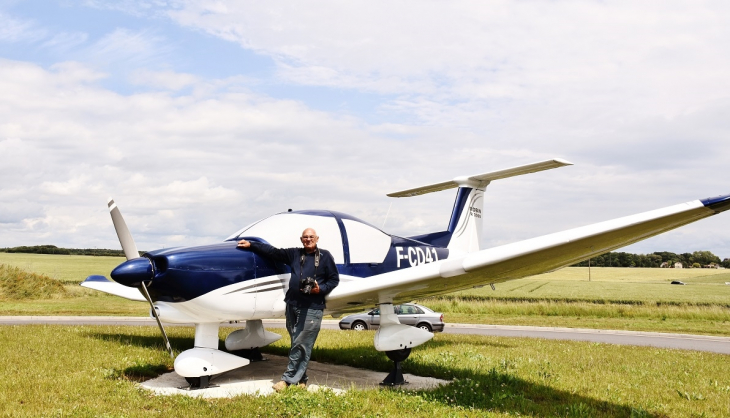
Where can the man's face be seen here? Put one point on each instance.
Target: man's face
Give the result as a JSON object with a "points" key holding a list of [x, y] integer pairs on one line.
{"points": [[309, 240]]}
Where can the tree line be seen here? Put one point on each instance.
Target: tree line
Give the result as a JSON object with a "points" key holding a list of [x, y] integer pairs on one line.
{"points": [[657, 259], [52, 249]]}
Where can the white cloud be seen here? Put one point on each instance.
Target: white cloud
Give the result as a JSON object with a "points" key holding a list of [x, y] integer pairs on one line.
{"points": [[167, 80], [635, 94], [64, 42], [127, 48], [13, 29]]}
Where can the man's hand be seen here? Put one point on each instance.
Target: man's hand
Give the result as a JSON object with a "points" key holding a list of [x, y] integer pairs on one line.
{"points": [[243, 244], [315, 288]]}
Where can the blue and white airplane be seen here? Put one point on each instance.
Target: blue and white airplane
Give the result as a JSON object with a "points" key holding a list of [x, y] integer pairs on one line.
{"points": [[219, 283]]}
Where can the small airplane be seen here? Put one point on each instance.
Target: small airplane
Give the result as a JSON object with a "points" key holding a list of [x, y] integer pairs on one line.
{"points": [[218, 283]]}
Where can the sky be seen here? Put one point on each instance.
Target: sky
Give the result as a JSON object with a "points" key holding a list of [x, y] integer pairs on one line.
{"points": [[200, 117]]}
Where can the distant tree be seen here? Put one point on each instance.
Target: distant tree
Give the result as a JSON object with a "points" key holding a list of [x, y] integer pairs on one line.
{"points": [[705, 257], [52, 249], [655, 260]]}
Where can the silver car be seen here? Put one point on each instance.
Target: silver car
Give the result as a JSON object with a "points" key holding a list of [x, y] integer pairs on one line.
{"points": [[408, 313]]}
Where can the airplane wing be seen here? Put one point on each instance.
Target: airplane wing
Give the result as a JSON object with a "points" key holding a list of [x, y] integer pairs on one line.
{"points": [[105, 285], [520, 259]]}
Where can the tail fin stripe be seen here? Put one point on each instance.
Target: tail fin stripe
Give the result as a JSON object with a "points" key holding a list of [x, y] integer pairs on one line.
{"points": [[459, 205]]}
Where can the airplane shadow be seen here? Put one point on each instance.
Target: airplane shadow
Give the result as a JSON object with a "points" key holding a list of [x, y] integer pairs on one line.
{"points": [[493, 390]]}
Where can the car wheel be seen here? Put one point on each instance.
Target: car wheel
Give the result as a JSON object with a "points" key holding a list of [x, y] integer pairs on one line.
{"points": [[425, 327], [359, 326]]}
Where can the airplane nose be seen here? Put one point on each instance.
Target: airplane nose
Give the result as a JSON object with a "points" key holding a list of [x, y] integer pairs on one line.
{"points": [[133, 272]]}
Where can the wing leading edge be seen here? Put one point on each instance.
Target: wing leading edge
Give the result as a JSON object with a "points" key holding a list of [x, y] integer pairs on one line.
{"points": [[520, 259]]}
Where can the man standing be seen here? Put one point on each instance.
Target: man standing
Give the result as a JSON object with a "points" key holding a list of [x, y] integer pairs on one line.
{"points": [[304, 299]]}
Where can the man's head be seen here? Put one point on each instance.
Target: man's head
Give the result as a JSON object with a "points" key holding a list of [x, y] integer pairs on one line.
{"points": [[309, 239]]}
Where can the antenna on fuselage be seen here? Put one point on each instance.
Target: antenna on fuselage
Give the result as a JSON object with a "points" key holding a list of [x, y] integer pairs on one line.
{"points": [[386, 215]]}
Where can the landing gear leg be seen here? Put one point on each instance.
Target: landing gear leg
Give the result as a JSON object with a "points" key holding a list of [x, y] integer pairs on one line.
{"points": [[252, 354], [201, 382], [395, 377]]}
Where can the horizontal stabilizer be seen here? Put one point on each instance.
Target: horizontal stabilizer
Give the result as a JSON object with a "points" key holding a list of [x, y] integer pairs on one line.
{"points": [[481, 180], [105, 285]]}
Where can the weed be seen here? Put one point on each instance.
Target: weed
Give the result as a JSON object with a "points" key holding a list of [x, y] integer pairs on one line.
{"points": [[16, 283]]}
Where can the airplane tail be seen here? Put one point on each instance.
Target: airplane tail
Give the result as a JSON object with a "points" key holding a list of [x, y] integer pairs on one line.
{"points": [[464, 232]]}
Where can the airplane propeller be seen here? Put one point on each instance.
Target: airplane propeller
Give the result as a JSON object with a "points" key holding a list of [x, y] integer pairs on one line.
{"points": [[131, 252]]}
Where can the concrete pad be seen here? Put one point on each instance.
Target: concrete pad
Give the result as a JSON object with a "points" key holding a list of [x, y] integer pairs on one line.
{"points": [[257, 379]]}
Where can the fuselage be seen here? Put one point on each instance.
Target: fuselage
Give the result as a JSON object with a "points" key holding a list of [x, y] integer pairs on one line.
{"points": [[231, 283]]}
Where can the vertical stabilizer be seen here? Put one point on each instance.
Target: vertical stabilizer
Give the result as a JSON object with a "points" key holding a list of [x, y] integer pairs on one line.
{"points": [[465, 226]]}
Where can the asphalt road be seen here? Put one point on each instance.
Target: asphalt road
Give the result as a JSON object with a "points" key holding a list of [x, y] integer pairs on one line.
{"points": [[654, 339]]}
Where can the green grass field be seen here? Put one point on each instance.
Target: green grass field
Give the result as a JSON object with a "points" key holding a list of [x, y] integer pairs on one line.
{"points": [[616, 285], [636, 299], [90, 371], [68, 269]]}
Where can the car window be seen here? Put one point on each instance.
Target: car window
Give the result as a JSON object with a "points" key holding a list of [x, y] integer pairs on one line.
{"points": [[408, 309], [374, 312], [417, 310]]}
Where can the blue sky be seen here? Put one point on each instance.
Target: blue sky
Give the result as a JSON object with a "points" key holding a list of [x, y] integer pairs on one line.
{"points": [[202, 116]]}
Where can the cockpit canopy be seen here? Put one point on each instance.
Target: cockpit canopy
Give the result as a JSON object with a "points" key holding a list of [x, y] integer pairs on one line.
{"points": [[350, 240]]}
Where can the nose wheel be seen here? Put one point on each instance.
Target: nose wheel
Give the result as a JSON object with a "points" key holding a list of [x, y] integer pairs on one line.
{"points": [[395, 377]]}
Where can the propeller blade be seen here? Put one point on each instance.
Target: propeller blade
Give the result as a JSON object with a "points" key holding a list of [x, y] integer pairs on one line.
{"points": [[159, 323], [125, 237], [131, 252]]}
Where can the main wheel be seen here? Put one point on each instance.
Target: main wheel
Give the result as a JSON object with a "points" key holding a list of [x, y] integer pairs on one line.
{"points": [[398, 355], [359, 326], [424, 326]]}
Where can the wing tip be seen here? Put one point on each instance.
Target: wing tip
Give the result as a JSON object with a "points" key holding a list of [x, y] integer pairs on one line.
{"points": [[717, 203], [96, 278]]}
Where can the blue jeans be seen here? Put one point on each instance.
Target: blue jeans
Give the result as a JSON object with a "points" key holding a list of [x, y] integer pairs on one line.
{"points": [[303, 325]]}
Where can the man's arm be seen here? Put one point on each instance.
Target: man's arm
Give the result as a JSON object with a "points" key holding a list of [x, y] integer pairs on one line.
{"points": [[266, 250], [332, 276]]}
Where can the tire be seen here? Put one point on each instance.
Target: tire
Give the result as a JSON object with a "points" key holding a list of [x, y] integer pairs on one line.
{"points": [[424, 326], [359, 326]]}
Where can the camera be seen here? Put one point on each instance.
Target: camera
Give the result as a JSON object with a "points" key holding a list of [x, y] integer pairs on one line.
{"points": [[306, 285]]}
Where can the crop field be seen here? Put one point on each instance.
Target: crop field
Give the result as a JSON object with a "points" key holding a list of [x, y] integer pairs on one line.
{"points": [[614, 284]]}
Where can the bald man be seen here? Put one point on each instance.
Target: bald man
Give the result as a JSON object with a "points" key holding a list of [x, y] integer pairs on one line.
{"points": [[304, 298]]}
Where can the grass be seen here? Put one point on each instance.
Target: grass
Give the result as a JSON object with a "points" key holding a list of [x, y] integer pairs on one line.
{"points": [[707, 320], [16, 284], [84, 371], [67, 269], [91, 371], [614, 285], [637, 299]]}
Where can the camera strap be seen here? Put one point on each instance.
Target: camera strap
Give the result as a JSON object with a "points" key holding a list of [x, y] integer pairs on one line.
{"points": [[316, 263]]}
